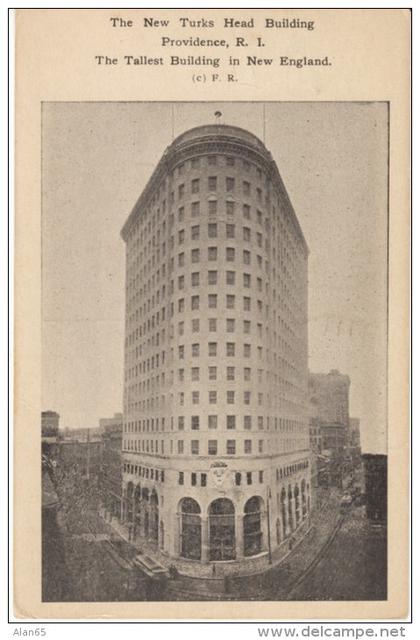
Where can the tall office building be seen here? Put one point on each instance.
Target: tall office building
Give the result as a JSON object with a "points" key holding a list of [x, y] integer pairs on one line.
{"points": [[215, 432]]}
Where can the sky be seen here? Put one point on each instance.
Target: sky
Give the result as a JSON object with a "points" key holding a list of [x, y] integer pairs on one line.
{"points": [[96, 160]]}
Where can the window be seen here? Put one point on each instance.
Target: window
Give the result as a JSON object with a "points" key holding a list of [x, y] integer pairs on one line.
{"points": [[203, 479], [260, 422], [181, 423], [230, 325], [238, 478], [230, 373], [181, 281], [231, 422], [180, 474], [260, 446], [195, 302], [181, 352], [195, 447], [247, 373], [247, 280], [212, 447], [181, 305], [193, 479], [195, 423], [195, 373], [230, 184], [195, 350], [230, 277], [246, 188], [246, 209], [195, 397], [195, 163], [195, 209], [181, 375], [195, 185], [212, 422], [212, 373], [212, 161], [181, 447], [212, 348], [260, 477], [180, 328], [195, 279], [230, 208], [212, 253], [247, 304], [212, 300], [247, 326], [212, 397], [230, 162], [230, 348], [247, 350], [230, 302], [230, 231], [212, 230], [212, 183], [195, 232], [181, 259], [247, 397], [247, 234], [212, 207], [230, 254], [181, 214], [230, 397], [212, 277], [247, 422], [195, 255], [247, 257], [249, 477], [181, 191], [259, 239], [195, 325], [230, 447], [247, 446]]}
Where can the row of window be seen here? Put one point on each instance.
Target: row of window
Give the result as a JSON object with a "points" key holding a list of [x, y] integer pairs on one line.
{"points": [[213, 161], [157, 447], [283, 425], [213, 183], [248, 477], [144, 472]]}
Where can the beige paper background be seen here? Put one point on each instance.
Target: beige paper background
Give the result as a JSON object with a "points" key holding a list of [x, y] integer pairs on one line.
{"points": [[370, 50]]}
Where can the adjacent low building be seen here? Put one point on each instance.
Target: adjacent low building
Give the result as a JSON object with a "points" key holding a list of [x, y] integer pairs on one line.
{"points": [[112, 463], [376, 486]]}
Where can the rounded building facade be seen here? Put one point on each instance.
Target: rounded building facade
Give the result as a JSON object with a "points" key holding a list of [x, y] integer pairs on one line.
{"points": [[216, 431]]}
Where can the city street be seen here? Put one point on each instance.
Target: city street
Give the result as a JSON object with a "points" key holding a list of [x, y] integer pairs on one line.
{"points": [[353, 567]]}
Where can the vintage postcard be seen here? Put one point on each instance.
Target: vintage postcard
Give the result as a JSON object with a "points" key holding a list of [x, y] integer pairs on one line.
{"points": [[212, 275]]}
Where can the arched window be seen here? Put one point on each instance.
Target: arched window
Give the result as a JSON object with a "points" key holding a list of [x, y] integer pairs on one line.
{"points": [[252, 526], [154, 516], [303, 494], [190, 529], [283, 512], [222, 530], [297, 504], [130, 491]]}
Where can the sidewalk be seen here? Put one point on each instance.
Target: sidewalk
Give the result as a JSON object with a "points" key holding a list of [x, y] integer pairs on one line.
{"points": [[275, 582]]}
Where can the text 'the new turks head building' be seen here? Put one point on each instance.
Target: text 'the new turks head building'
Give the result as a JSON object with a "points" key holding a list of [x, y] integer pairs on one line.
{"points": [[216, 431]]}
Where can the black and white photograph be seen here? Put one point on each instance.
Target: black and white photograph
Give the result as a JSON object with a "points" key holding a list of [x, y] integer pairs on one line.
{"points": [[214, 345]]}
